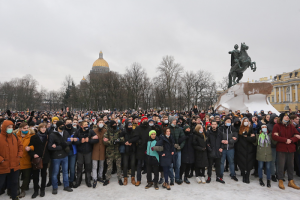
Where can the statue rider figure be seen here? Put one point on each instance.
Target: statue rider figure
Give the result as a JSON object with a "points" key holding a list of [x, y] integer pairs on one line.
{"points": [[235, 54]]}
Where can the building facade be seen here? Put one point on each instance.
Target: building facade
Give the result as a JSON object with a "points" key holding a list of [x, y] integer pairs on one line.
{"points": [[285, 93]]}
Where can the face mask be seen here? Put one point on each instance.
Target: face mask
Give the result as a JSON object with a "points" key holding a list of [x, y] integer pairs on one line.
{"points": [[245, 123], [69, 126], [202, 111], [285, 121], [139, 120], [158, 121], [151, 124], [93, 118], [62, 128], [129, 129], [9, 130], [228, 124], [216, 111], [208, 113], [108, 117], [166, 121], [200, 131], [264, 130], [24, 132], [86, 128], [295, 123], [167, 136], [172, 125], [100, 125], [54, 125]]}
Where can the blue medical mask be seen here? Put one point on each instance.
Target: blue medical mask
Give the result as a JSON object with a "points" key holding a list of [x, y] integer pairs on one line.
{"points": [[264, 130], [24, 132], [228, 124], [172, 125], [9, 130]]}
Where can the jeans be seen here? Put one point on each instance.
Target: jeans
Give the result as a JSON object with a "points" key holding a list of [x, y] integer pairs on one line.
{"points": [[285, 159], [13, 178], [273, 167], [36, 177], [126, 157], [230, 156], [71, 165], [56, 163], [261, 165], [100, 170], [177, 157]]}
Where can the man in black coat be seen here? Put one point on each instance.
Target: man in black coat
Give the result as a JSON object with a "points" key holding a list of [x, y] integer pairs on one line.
{"points": [[214, 147], [84, 147], [59, 146], [143, 135]]}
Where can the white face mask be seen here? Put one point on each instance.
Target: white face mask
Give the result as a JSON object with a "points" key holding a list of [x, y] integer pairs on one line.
{"points": [[246, 123], [100, 125], [166, 121]]}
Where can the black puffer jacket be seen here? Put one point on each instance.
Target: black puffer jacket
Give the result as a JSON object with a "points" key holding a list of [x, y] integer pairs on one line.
{"points": [[245, 151], [199, 144], [142, 136], [130, 137], [187, 152], [62, 145], [228, 132], [213, 142]]}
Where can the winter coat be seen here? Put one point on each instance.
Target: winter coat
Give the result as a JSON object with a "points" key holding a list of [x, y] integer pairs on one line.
{"points": [[62, 145], [152, 156], [214, 139], [245, 151], [39, 148], [11, 150], [202, 116], [112, 147], [168, 144], [187, 152], [228, 132], [285, 132], [199, 144], [264, 153], [177, 133], [129, 136], [142, 136], [99, 147], [25, 162], [270, 126], [72, 132], [86, 147]]}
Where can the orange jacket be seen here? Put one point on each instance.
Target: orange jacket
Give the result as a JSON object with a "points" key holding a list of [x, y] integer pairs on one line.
{"points": [[25, 162], [11, 150]]}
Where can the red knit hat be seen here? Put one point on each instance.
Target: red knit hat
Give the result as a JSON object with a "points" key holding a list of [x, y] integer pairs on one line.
{"points": [[144, 118]]}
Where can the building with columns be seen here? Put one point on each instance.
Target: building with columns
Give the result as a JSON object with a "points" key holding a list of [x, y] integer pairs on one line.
{"points": [[285, 93]]}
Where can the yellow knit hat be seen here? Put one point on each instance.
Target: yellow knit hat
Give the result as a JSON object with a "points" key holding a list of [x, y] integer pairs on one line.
{"points": [[55, 118]]}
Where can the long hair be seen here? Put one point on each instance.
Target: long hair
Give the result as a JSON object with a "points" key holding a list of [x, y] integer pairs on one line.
{"points": [[197, 128], [244, 128]]}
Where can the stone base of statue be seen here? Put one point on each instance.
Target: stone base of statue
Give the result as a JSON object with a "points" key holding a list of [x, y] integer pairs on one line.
{"points": [[246, 96]]}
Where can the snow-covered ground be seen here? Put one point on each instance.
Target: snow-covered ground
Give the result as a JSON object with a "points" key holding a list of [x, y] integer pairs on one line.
{"points": [[229, 191]]}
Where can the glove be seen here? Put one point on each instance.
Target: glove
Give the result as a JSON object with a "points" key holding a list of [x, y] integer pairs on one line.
{"points": [[176, 146], [152, 148], [157, 148]]}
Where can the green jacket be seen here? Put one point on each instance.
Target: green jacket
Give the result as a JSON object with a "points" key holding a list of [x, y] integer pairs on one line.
{"points": [[112, 150], [264, 153], [177, 133]]}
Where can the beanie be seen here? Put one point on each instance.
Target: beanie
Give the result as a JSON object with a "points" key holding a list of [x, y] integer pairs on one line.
{"points": [[144, 118], [59, 123], [186, 127], [55, 118], [152, 131]]}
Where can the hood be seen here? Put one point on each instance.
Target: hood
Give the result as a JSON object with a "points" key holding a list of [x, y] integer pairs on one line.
{"points": [[5, 124], [272, 117]]}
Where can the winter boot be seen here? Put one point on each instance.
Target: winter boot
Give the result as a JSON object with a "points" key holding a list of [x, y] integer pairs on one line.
{"points": [[42, 193], [138, 183], [68, 189], [133, 180], [268, 183], [161, 181], [280, 185], [274, 179], [125, 181], [35, 194], [54, 191], [234, 178], [247, 179], [172, 182], [261, 183], [149, 185], [106, 182], [186, 180], [220, 180], [120, 182], [208, 180], [22, 194], [178, 181], [293, 185], [156, 186], [94, 183]]}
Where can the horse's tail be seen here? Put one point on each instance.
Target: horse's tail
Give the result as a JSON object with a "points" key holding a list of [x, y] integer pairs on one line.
{"points": [[229, 80]]}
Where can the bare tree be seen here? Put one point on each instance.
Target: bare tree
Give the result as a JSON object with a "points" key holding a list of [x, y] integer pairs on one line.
{"points": [[224, 83]]}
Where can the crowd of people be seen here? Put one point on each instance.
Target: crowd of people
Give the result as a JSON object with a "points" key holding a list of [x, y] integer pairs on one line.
{"points": [[170, 147]]}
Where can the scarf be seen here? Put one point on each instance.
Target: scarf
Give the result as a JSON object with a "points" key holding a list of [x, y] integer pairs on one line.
{"points": [[43, 137], [263, 138]]}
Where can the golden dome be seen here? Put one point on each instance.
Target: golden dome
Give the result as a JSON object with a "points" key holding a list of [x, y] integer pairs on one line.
{"points": [[83, 79], [100, 62]]}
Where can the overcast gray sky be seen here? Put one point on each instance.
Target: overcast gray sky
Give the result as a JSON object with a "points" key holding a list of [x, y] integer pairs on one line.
{"points": [[51, 39]]}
